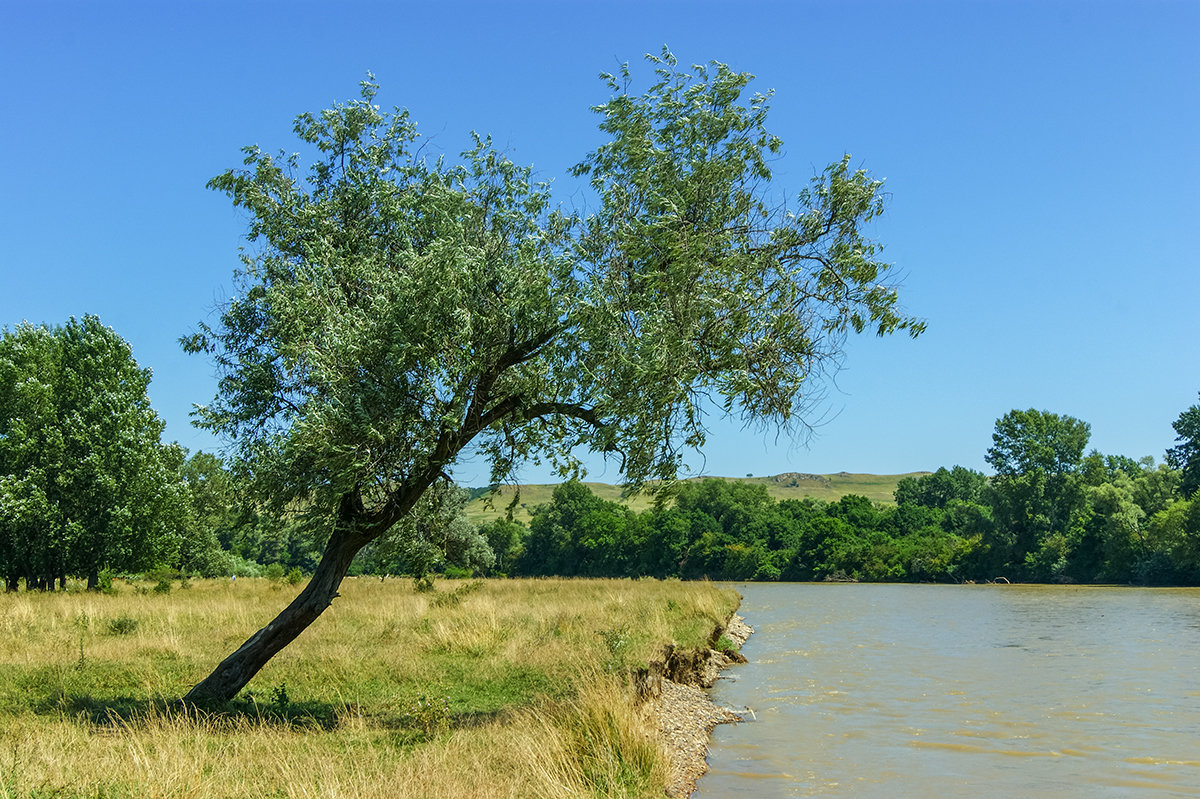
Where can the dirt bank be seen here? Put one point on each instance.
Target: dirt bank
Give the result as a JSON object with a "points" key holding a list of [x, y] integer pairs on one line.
{"points": [[676, 688]]}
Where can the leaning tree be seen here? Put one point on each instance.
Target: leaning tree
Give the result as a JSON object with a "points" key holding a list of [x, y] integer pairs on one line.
{"points": [[396, 312]]}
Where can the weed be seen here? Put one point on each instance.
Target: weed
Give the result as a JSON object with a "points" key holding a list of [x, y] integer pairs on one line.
{"points": [[455, 597], [279, 698], [122, 625], [616, 641], [429, 714]]}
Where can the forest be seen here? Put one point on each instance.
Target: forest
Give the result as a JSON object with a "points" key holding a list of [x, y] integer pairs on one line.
{"points": [[88, 491]]}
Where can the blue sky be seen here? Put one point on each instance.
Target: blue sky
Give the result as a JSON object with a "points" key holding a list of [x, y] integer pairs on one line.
{"points": [[1043, 161]]}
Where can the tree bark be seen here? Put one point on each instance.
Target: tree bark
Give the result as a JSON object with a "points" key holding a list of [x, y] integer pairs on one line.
{"points": [[239, 668]]}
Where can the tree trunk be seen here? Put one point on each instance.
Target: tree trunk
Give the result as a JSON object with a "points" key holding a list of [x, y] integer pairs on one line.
{"points": [[11, 583], [239, 668]]}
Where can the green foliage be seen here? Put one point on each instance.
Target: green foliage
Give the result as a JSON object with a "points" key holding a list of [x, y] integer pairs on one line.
{"points": [[435, 537], [1037, 441], [429, 714], [616, 642], [394, 309], [453, 598], [1102, 518], [1186, 455], [940, 488], [104, 582], [1038, 494], [122, 625], [85, 482]]}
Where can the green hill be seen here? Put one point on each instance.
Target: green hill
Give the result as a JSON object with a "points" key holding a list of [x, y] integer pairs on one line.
{"points": [[792, 485]]}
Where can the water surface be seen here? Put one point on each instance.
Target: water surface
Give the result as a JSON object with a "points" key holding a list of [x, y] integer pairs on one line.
{"points": [[946, 691]]}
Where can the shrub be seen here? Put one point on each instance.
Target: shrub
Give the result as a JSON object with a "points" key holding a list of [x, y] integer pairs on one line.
{"points": [[104, 582], [122, 625], [429, 714]]}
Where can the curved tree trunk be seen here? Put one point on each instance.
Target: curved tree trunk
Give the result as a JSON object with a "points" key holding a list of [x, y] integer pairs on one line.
{"points": [[239, 668]]}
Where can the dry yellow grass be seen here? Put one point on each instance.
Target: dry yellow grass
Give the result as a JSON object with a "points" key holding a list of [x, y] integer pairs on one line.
{"points": [[498, 689]]}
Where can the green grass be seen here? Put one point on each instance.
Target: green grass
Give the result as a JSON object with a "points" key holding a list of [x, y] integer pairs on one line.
{"points": [[828, 487]]}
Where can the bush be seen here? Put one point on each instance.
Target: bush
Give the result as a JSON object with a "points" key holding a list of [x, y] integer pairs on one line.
{"points": [[122, 625], [275, 572], [104, 582], [295, 577]]}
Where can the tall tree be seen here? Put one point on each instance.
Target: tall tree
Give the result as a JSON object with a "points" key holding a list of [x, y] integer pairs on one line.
{"points": [[1028, 441], [1037, 494], [1186, 455], [394, 312], [85, 482]]}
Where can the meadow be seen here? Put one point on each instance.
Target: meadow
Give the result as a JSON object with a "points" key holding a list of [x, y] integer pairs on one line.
{"points": [[500, 688]]}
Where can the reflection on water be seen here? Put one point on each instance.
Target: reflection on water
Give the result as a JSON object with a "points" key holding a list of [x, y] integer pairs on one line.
{"points": [[948, 691]]}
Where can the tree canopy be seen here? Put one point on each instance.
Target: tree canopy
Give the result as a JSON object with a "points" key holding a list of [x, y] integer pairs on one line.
{"points": [[85, 483], [1185, 456], [395, 311]]}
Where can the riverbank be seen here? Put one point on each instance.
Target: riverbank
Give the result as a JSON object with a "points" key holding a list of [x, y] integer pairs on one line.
{"points": [[686, 714], [505, 688]]}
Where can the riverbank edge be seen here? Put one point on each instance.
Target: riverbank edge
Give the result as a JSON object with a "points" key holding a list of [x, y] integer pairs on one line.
{"points": [[676, 690]]}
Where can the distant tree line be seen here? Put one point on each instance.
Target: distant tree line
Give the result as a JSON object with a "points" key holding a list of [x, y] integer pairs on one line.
{"points": [[1050, 514], [88, 489]]}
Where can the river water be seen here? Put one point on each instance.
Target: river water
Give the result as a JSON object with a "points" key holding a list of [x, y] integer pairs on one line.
{"points": [[962, 691]]}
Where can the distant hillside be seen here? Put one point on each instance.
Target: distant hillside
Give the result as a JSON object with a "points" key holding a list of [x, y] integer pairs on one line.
{"points": [[792, 485]]}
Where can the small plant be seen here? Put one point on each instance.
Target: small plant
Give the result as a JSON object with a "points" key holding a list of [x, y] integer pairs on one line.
{"points": [[82, 622], [423, 584], [122, 625], [295, 577], [455, 597], [275, 572], [430, 714], [279, 697], [726, 645], [616, 641], [162, 577]]}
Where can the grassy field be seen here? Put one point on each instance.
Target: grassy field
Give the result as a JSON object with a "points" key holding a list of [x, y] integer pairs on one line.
{"points": [[480, 689], [828, 487]]}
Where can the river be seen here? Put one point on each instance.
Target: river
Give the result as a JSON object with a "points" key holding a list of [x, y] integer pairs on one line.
{"points": [[962, 691]]}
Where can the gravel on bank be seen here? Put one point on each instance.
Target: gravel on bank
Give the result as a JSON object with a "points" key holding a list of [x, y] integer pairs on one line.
{"points": [[686, 715]]}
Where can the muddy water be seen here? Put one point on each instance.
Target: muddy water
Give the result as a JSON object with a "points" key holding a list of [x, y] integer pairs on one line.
{"points": [[963, 691]]}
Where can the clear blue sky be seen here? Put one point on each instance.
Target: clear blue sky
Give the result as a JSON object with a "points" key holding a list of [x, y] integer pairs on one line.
{"points": [[1043, 160]]}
